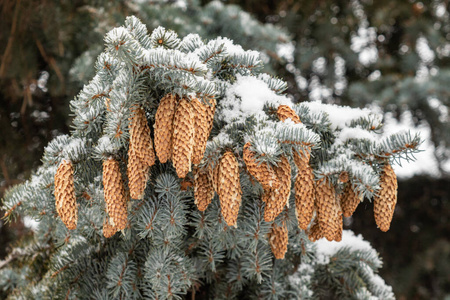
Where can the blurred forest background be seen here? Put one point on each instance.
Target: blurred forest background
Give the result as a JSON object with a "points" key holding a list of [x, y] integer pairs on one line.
{"points": [[390, 56]]}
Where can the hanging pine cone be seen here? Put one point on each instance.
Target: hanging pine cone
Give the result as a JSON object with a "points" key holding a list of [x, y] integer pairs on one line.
{"points": [[141, 155], [350, 200], [202, 120], [262, 172], [278, 240], [115, 198], [214, 173], [108, 229], [229, 188], [285, 112], [315, 233], [327, 209], [203, 188], [183, 138], [137, 172], [386, 198], [304, 190], [66, 204], [164, 127], [339, 228], [279, 197], [140, 138]]}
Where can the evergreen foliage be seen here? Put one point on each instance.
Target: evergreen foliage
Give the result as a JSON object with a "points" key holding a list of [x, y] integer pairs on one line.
{"points": [[169, 248]]}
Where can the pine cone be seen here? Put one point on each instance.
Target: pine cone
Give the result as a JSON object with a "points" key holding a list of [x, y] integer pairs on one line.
{"points": [[315, 233], [203, 189], [183, 138], [285, 112], [262, 172], [66, 204], [327, 209], [350, 200], [229, 188], [278, 197], [278, 240], [140, 154], [108, 229], [339, 228], [164, 127], [214, 176], [115, 198], [304, 191], [386, 198], [202, 125], [137, 172], [140, 138]]}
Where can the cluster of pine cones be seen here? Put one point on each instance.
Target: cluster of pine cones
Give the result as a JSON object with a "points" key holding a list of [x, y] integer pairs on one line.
{"points": [[181, 130]]}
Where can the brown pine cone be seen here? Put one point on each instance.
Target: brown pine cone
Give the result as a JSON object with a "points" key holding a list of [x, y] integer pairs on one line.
{"points": [[164, 127], [203, 188], [140, 138], [285, 112], [183, 138], [315, 233], [201, 125], [350, 200], [214, 173], [262, 172], [229, 188], [115, 198], [386, 198], [66, 204], [278, 240], [140, 153], [304, 191], [137, 172], [327, 208], [280, 196], [339, 228], [108, 229]]}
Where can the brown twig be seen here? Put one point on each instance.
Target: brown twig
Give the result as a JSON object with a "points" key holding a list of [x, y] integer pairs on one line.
{"points": [[9, 45], [50, 60]]}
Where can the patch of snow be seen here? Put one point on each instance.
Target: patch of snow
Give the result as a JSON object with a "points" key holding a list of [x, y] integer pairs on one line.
{"points": [[286, 51], [223, 139], [356, 133], [326, 249], [232, 49], [30, 223], [74, 149], [247, 96], [339, 116]]}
